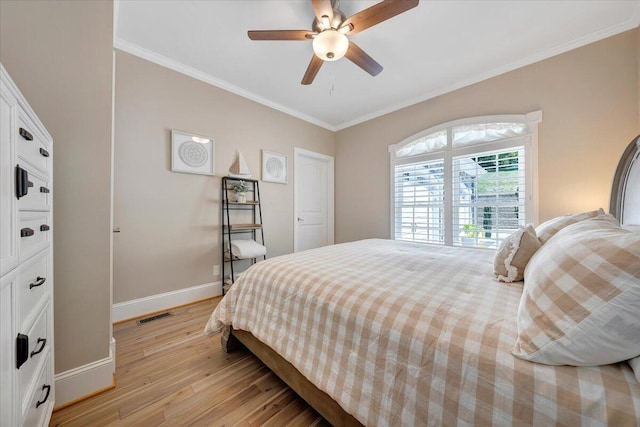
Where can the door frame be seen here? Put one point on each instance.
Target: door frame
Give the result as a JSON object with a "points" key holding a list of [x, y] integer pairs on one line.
{"points": [[300, 152]]}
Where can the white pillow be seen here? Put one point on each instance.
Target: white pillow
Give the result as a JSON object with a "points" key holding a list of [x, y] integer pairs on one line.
{"points": [[581, 299]]}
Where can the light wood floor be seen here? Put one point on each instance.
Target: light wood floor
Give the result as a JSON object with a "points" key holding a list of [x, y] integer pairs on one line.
{"points": [[169, 374]]}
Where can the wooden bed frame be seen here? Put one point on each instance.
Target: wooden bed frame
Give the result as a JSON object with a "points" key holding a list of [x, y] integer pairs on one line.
{"points": [[233, 339], [621, 184]]}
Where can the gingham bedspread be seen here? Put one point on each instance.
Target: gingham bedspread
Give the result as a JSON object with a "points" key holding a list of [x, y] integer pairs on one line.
{"points": [[407, 334]]}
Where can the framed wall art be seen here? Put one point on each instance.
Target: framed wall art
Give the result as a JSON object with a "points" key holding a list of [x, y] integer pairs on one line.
{"points": [[192, 153], [274, 167]]}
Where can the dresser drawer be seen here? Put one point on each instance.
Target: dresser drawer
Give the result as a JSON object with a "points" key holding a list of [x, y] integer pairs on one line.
{"points": [[8, 216], [39, 343], [31, 145], [38, 197], [37, 407], [34, 233], [34, 283]]}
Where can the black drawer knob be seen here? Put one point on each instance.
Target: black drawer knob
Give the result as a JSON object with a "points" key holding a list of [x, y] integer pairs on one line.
{"points": [[44, 152], [39, 282], [42, 341], [44, 387], [44, 190], [44, 227], [26, 232], [26, 134]]}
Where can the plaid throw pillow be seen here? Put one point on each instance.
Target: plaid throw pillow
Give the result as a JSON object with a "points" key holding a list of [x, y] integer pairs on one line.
{"points": [[581, 299], [548, 229]]}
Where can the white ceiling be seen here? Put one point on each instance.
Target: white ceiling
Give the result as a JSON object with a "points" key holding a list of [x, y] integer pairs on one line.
{"points": [[432, 49]]}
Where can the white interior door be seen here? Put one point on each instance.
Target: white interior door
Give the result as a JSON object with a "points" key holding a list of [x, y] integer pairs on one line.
{"points": [[313, 200]]}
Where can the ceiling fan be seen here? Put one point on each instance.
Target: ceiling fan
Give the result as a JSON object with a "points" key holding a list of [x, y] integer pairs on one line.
{"points": [[329, 33]]}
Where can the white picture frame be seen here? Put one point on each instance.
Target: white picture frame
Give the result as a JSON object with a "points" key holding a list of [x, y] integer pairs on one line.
{"points": [[192, 153], [274, 167]]}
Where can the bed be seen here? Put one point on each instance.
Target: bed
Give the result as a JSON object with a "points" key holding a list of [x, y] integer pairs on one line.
{"points": [[381, 332]]}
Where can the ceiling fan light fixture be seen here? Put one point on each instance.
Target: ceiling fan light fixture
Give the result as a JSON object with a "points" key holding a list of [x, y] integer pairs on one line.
{"points": [[326, 23], [330, 45], [345, 29]]}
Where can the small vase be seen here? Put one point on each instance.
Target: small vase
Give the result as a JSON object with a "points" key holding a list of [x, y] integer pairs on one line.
{"points": [[241, 198]]}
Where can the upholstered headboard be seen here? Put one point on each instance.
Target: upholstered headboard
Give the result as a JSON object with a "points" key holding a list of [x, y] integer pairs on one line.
{"points": [[625, 192]]}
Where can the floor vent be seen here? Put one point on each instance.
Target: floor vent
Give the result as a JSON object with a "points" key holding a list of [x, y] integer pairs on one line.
{"points": [[151, 318]]}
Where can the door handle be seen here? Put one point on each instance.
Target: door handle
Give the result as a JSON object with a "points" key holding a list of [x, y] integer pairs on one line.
{"points": [[44, 387], [26, 134], [22, 182], [42, 341], [22, 350], [300, 219], [27, 232], [39, 282], [116, 230]]}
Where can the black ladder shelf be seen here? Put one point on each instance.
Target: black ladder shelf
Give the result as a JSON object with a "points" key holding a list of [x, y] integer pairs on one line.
{"points": [[238, 223]]}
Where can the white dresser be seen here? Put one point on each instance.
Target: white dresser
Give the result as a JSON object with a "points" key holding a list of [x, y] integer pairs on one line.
{"points": [[26, 263]]}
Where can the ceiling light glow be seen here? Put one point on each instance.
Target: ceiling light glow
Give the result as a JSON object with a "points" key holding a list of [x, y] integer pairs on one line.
{"points": [[330, 45], [200, 140]]}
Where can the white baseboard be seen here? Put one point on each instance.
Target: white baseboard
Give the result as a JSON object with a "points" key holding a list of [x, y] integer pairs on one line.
{"points": [[141, 306], [85, 380]]}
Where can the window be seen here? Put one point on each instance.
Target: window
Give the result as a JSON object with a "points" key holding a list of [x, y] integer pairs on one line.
{"points": [[465, 183]]}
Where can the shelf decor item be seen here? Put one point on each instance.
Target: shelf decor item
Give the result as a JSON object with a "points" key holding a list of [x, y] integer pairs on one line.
{"points": [[192, 153], [274, 167], [240, 189], [239, 167]]}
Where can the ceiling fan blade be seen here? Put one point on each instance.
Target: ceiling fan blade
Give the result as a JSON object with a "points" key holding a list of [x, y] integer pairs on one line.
{"points": [[312, 70], [362, 60], [281, 35], [322, 8], [377, 13]]}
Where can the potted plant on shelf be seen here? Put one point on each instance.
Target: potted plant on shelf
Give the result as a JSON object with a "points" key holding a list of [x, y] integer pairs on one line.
{"points": [[240, 189]]}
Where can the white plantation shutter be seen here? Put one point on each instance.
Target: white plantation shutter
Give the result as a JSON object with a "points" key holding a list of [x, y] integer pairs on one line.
{"points": [[488, 201], [419, 202], [465, 183], [485, 132]]}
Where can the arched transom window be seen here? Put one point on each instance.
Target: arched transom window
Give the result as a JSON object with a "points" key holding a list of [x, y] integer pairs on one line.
{"points": [[469, 182]]}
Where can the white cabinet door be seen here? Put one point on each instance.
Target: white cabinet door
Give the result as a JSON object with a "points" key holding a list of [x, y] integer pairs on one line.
{"points": [[8, 399], [8, 213]]}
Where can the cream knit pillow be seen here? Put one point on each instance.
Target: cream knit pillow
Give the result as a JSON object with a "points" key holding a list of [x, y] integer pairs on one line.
{"points": [[514, 253]]}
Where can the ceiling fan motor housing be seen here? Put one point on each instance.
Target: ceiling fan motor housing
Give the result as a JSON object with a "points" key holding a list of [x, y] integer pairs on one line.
{"points": [[338, 19]]}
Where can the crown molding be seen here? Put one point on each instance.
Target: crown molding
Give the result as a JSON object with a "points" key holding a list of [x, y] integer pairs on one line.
{"points": [[629, 24]]}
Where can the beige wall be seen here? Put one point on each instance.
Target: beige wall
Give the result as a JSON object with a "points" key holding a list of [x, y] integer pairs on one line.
{"points": [[589, 99], [59, 54], [170, 221]]}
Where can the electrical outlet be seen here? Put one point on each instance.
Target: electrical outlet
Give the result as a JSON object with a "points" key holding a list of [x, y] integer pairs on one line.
{"points": [[216, 270]]}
